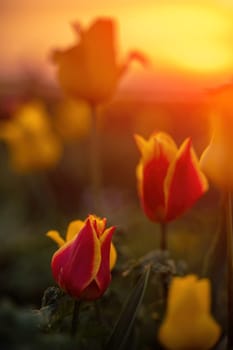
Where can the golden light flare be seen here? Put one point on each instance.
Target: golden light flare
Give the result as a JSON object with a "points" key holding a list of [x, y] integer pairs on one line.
{"points": [[194, 37]]}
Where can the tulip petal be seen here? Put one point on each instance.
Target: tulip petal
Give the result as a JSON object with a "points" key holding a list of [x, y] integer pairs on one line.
{"points": [[55, 236], [148, 149], [74, 84], [93, 59], [103, 276], [199, 334], [74, 228], [92, 292], [76, 264], [157, 153], [99, 224], [113, 256], [177, 292], [154, 173], [133, 56], [59, 260], [216, 160], [184, 182], [203, 291], [78, 29], [99, 45]]}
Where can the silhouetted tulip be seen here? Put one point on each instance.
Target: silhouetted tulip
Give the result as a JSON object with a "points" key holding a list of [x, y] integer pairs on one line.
{"points": [[89, 69]]}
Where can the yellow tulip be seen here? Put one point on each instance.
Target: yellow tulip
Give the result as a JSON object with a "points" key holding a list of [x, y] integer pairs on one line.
{"points": [[32, 144], [188, 323]]}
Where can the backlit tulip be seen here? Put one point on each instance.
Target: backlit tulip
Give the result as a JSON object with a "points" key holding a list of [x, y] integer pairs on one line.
{"points": [[169, 179], [89, 69], [32, 144], [216, 160], [81, 266], [188, 323]]}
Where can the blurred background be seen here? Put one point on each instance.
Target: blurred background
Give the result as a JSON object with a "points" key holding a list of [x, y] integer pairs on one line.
{"points": [[44, 136]]}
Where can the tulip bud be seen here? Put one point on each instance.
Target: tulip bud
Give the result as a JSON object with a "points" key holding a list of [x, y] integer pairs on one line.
{"points": [[81, 266], [169, 179]]}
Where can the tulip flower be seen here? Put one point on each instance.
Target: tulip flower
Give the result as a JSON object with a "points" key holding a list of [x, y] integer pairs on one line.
{"points": [[188, 323], [89, 69], [81, 266], [169, 179], [32, 144], [216, 159]]}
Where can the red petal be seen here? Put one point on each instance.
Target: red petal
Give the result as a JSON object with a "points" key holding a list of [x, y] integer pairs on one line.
{"points": [[59, 260], [92, 292], [103, 276], [154, 173], [184, 183], [76, 265]]}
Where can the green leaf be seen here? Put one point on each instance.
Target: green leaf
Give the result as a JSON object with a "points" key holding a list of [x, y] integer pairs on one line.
{"points": [[124, 324]]}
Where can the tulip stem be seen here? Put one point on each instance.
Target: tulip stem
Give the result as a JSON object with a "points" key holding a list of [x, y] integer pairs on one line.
{"points": [[75, 317], [229, 233], [163, 237], [163, 248], [95, 162]]}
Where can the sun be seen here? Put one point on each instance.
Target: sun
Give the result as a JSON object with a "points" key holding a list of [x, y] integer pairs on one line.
{"points": [[189, 36]]}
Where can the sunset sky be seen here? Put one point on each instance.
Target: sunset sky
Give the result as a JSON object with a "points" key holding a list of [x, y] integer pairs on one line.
{"points": [[186, 39]]}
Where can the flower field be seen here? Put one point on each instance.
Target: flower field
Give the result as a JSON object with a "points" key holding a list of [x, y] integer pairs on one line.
{"points": [[116, 205]]}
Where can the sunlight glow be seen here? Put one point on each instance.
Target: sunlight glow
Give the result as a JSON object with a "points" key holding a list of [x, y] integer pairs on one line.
{"points": [[191, 37], [194, 37]]}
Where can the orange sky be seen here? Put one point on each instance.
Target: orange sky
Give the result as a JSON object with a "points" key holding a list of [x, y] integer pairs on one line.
{"points": [[182, 38]]}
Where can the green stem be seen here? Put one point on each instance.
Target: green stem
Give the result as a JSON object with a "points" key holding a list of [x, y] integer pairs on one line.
{"points": [[75, 317], [229, 231], [163, 237], [95, 161]]}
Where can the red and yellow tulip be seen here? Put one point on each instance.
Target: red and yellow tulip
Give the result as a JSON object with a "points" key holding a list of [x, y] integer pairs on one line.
{"points": [[188, 323], [82, 265], [169, 179]]}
